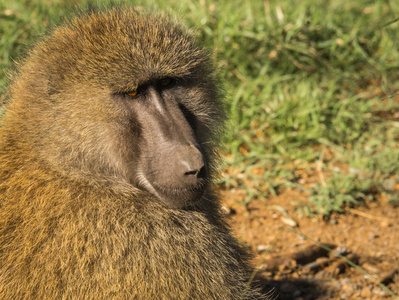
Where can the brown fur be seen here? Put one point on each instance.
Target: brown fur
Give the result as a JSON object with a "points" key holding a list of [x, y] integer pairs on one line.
{"points": [[73, 223]]}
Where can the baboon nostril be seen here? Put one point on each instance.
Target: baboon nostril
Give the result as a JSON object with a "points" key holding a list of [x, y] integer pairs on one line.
{"points": [[191, 164], [195, 172], [201, 173]]}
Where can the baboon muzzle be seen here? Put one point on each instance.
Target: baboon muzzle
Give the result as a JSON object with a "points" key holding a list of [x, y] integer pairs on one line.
{"points": [[172, 160], [189, 165]]}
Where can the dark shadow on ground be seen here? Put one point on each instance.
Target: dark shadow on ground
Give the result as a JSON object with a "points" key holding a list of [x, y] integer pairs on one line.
{"points": [[295, 289]]}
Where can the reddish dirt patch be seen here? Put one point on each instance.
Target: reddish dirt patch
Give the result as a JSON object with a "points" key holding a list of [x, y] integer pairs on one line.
{"points": [[298, 268]]}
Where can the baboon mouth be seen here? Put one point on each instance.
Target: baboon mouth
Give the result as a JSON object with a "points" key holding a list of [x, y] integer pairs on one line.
{"points": [[171, 191], [180, 197], [175, 196]]}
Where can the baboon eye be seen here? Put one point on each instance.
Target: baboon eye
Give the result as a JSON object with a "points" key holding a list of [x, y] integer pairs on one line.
{"points": [[167, 82], [132, 93]]}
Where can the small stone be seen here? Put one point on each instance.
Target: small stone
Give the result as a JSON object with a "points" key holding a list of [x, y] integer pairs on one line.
{"points": [[288, 221], [263, 248], [373, 236], [333, 222], [228, 210]]}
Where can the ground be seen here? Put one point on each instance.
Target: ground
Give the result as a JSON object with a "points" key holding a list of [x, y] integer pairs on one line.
{"points": [[289, 258]]}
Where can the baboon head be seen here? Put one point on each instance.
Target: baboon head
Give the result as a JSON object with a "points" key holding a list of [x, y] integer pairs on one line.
{"points": [[124, 98]]}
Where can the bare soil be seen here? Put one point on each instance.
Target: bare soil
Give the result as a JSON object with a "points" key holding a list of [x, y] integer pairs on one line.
{"points": [[295, 266]]}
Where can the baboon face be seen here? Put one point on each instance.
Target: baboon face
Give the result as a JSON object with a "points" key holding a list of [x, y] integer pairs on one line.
{"points": [[170, 161], [127, 99]]}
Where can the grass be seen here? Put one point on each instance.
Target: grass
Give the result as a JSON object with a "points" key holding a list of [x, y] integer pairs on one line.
{"points": [[312, 88]]}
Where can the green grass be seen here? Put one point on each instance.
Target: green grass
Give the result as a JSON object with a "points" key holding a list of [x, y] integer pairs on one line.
{"points": [[304, 78]]}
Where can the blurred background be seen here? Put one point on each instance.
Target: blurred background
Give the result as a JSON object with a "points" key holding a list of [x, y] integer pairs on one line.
{"points": [[312, 91]]}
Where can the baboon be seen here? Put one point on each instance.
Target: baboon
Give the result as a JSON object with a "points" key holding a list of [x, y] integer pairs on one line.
{"points": [[107, 157]]}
